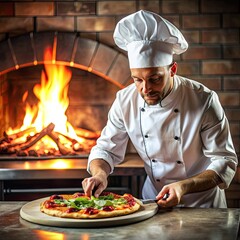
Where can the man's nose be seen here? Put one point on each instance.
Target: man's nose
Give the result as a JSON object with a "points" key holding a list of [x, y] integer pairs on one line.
{"points": [[146, 87]]}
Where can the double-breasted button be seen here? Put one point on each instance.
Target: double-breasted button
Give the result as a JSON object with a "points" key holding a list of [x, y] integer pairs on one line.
{"points": [[146, 136], [176, 110], [179, 162], [153, 160], [176, 138], [143, 109]]}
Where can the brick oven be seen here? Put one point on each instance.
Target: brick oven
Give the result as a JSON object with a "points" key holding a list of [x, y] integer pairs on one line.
{"points": [[97, 72], [212, 31]]}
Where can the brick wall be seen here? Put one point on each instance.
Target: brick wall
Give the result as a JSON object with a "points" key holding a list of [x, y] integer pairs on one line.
{"points": [[211, 27]]}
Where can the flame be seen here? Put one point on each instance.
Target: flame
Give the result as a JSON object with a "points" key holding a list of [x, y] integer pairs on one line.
{"points": [[53, 101]]}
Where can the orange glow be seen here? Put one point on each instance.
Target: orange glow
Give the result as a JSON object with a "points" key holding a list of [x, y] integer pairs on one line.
{"points": [[53, 101], [26, 165], [85, 237], [51, 164], [41, 234], [61, 164]]}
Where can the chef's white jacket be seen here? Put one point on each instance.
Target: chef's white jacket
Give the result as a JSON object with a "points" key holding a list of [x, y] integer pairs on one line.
{"points": [[182, 136]]}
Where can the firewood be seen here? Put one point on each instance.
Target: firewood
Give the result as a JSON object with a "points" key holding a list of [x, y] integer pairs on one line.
{"points": [[72, 140], [63, 150], [31, 140], [21, 153], [20, 145], [77, 147], [33, 153], [6, 150], [18, 142], [5, 139], [45, 131], [20, 133], [86, 133], [12, 140]]}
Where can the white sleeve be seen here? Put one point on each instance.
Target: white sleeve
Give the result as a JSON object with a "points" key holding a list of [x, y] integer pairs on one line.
{"points": [[111, 145], [217, 141]]}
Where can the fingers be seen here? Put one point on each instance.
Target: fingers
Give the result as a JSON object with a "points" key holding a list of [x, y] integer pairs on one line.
{"points": [[93, 186], [165, 199], [164, 194], [169, 202], [88, 185], [98, 191]]}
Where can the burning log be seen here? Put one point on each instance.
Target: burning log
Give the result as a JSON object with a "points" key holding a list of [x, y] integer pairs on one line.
{"points": [[80, 147], [72, 140], [10, 137], [63, 150], [4, 139], [36, 145], [18, 141], [45, 131], [20, 134], [9, 149], [22, 153], [33, 153], [84, 133], [77, 147]]}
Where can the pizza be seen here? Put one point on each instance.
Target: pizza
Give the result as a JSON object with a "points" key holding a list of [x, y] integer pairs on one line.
{"points": [[80, 206]]}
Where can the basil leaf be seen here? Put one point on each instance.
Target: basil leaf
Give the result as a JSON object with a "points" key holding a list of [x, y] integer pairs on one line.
{"points": [[119, 201], [107, 197], [61, 201], [80, 199], [108, 203], [100, 203]]}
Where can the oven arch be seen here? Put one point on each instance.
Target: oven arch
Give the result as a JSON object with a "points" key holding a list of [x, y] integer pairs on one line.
{"points": [[68, 49]]}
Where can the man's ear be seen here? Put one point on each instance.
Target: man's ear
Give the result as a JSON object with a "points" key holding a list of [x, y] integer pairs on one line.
{"points": [[173, 69]]}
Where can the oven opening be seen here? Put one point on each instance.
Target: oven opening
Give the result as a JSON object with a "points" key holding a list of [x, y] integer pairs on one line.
{"points": [[53, 109]]}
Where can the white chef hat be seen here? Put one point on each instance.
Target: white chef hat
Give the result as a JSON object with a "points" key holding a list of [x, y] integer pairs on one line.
{"points": [[149, 39]]}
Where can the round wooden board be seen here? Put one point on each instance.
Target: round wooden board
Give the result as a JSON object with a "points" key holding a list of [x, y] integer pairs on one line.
{"points": [[31, 212]]}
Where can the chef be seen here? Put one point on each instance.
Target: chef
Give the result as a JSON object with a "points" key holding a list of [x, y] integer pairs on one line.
{"points": [[177, 125]]}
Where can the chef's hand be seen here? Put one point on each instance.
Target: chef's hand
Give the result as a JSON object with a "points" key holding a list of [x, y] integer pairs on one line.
{"points": [[94, 185], [174, 192], [201, 182]]}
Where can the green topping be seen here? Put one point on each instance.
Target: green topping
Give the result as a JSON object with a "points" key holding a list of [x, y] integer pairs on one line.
{"points": [[61, 201], [97, 203]]}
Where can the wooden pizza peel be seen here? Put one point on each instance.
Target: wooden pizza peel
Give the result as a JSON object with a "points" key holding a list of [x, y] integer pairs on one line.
{"points": [[31, 212]]}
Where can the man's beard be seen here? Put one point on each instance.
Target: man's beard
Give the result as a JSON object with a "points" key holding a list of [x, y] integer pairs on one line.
{"points": [[152, 98]]}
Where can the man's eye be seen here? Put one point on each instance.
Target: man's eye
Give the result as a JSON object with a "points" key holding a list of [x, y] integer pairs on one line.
{"points": [[155, 80]]}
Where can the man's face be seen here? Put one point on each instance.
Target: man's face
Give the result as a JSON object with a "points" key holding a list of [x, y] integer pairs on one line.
{"points": [[153, 83]]}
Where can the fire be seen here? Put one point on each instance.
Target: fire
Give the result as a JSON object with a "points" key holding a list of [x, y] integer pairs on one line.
{"points": [[53, 101], [52, 94]]}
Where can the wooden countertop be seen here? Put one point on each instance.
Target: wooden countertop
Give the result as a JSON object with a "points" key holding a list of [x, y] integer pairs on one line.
{"points": [[177, 223]]}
